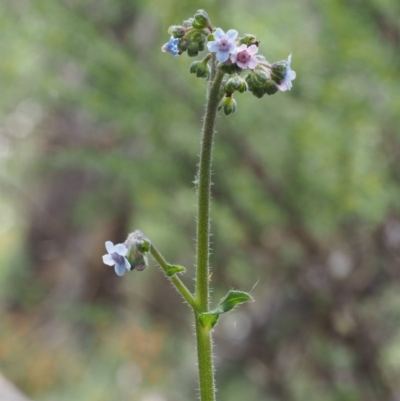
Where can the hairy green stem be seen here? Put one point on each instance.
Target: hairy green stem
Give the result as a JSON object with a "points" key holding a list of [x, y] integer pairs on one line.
{"points": [[182, 289], [204, 344]]}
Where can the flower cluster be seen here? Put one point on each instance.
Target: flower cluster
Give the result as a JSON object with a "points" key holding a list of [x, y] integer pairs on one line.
{"points": [[128, 256], [236, 55]]}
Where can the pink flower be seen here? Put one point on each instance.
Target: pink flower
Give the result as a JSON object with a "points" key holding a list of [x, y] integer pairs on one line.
{"points": [[243, 56]]}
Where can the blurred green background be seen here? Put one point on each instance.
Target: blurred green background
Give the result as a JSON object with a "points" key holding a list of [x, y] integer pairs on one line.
{"points": [[99, 136]]}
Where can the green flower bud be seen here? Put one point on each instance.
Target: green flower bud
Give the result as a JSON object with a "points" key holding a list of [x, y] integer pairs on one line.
{"points": [[193, 49], [177, 31], [229, 68], [200, 68], [271, 88], [257, 92], [258, 78], [228, 104], [188, 23], [248, 39], [202, 19], [235, 83], [138, 245], [278, 70], [183, 45]]}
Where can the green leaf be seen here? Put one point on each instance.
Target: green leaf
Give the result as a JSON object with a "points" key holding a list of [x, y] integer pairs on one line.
{"points": [[208, 320], [232, 299], [173, 269]]}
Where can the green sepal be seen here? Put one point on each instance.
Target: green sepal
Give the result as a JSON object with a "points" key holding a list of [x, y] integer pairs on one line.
{"points": [[230, 68], [271, 88], [143, 245], [174, 269], [198, 26], [208, 320], [232, 299]]}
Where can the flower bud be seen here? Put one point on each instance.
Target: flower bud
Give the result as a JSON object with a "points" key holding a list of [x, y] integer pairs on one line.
{"points": [[202, 19], [248, 39], [193, 49], [183, 45], [258, 77], [271, 88], [138, 245], [177, 31], [278, 70], [229, 68], [200, 68], [188, 23], [257, 92], [228, 104], [235, 83]]}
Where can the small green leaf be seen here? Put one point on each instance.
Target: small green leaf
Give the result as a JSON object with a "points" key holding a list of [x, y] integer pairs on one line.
{"points": [[173, 269], [208, 320], [232, 299]]}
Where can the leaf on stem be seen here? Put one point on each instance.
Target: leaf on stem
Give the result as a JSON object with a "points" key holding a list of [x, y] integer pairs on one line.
{"points": [[174, 269], [234, 298]]}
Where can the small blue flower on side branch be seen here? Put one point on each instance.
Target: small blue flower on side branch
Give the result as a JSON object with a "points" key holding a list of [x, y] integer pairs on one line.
{"points": [[171, 46], [116, 256]]}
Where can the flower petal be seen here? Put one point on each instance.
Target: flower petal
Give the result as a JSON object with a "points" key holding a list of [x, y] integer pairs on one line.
{"points": [[212, 46], [232, 34], [109, 247], [252, 50], [292, 75], [252, 63], [240, 48], [219, 34], [120, 269], [243, 66], [233, 57], [108, 260], [121, 249], [127, 264], [222, 56]]}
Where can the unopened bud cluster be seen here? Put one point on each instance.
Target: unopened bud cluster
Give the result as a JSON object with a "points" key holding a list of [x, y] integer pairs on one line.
{"points": [[233, 54], [138, 246]]}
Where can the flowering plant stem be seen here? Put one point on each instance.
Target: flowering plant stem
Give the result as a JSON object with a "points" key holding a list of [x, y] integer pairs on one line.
{"points": [[182, 289], [204, 352]]}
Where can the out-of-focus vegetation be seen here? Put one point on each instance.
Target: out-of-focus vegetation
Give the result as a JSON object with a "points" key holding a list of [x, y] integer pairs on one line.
{"points": [[99, 135]]}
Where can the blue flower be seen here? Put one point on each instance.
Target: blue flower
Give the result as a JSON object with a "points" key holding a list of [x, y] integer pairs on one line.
{"points": [[286, 83], [224, 44], [116, 256], [171, 47]]}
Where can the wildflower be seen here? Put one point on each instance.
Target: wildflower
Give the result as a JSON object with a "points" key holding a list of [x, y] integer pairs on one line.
{"points": [[171, 46], [116, 256], [224, 44], [289, 75], [243, 56]]}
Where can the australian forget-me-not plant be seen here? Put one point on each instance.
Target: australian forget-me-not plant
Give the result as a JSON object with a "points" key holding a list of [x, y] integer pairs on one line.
{"points": [[231, 65]]}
